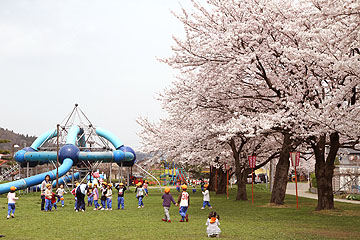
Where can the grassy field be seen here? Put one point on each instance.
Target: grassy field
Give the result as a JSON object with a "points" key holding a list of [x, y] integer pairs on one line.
{"points": [[239, 220]]}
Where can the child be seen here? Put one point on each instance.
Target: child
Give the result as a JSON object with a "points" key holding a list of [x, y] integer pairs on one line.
{"points": [[178, 186], [48, 198], [109, 197], [184, 202], [145, 186], [96, 197], [167, 199], [73, 192], [194, 189], [121, 188], [60, 192], [140, 194], [103, 195], [213, 224], [11, 202], [53, 200], [90, 195], [206, 198]]}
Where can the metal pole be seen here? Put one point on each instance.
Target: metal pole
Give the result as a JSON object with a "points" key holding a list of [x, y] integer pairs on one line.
{"points": [[271, 175], [27, 175], [252, 185], [216, 180], [110, 171], [128, 179], [227, 182], [72, 177], [297, 202], [121, 171], [57, 155], [36, 171]]}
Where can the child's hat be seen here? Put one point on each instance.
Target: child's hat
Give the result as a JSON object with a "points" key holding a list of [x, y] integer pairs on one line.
{"points": [[105, 183], [90, 184], [77, 184], [110, 185], [47, 185], [95, 184], [183, 187], [121, 184], [167, 190], [12, 188]]}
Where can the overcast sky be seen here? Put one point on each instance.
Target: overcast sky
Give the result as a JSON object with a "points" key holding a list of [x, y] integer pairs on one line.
{"points": [[100, 54]]}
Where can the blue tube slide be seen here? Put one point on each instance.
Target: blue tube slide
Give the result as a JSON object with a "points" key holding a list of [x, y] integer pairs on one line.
{"points": [[115, 141], [72, 135], [43, 138], [67, 179], [116, 156], [37, 179]]}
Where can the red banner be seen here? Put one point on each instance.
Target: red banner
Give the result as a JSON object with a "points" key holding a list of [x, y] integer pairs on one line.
{"points": [[252, 161], [295, 158]]}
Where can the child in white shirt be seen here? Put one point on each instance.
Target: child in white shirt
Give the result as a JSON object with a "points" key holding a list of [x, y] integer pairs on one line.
{"points": [[60, 192], [213, 224], [11, 202], [206, 198]]}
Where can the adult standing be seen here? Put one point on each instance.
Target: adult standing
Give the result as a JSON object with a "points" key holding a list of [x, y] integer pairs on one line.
{"points": [[80, 195], [42, 189]]}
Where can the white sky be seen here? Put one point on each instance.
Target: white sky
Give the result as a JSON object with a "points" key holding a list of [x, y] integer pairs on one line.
{"points": [[100, 54]]}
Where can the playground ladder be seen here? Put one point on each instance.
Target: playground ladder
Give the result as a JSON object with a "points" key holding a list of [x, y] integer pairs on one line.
{"points": [[8, 172]]}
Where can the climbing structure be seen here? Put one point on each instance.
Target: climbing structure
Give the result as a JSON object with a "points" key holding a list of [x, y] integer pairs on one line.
{"points": [[171, 173], [79, 144]]}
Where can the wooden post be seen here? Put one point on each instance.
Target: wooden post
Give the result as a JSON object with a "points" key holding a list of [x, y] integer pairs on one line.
{"points": [[57, 155]]}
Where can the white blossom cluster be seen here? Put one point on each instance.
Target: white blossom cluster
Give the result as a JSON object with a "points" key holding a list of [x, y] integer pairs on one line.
{"points": [[250, 69]]}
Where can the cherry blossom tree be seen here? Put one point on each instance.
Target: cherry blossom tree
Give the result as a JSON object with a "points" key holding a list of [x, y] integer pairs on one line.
{"points": [[254, 69]]}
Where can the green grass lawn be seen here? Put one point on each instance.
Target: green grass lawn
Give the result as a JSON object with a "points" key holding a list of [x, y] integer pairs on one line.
{"points": [[239, 220]]}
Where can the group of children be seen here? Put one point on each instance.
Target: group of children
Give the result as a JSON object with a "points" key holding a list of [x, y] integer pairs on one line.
{"points": [[105, 198], [183, 202], [92, 192]]}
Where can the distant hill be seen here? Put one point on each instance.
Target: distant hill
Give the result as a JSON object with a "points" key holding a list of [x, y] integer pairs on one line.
{"points": [[15, 138]]}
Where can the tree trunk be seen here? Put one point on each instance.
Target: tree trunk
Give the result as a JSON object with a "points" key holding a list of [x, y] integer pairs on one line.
{"points": [[240, 172], [222, 181], [212, 179], [281, 174], [324, 170], [241, 184]]}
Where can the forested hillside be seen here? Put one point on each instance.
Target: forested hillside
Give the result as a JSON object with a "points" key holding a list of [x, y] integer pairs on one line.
{"points": [[15, 138]]}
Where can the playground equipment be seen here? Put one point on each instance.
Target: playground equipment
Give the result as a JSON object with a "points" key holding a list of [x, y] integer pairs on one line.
{"points": [[172, 174], [78, 144]]}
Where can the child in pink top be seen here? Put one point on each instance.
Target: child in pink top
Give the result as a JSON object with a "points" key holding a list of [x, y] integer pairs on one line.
{"points": [[96, 197], [11, 202]]}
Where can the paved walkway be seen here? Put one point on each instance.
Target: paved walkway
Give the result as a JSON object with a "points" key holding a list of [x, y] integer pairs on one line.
{"points": [[303, 189]]}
